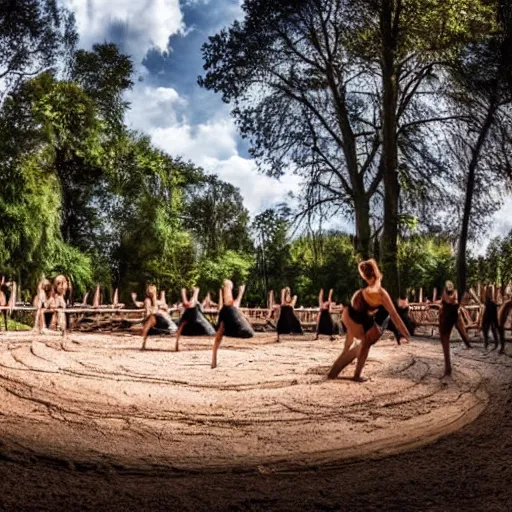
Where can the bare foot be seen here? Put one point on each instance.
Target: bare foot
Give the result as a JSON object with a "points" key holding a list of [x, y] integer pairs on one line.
{"points": [[360, 379]]}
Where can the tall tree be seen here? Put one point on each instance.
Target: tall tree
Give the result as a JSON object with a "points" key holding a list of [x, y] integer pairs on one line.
{"points": [[482, 90], [34, 34], [293, 87], [217, 217]]}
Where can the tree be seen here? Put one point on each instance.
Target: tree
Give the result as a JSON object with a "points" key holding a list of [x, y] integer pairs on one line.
{"points": [[292, 85], [34, 34], [104, 74], [216, 215], [482, 90], [272, 253]]}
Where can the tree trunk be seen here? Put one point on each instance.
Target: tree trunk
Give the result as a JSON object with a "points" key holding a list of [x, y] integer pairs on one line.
{"points": [[462, 269], [363, 231], [389, 148]]}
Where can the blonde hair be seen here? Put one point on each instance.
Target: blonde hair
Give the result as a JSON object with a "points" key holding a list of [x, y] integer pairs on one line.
{"points": [[369, 270]]}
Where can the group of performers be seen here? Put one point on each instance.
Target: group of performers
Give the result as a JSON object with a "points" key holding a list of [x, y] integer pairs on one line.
{"points": [[370, 312]]}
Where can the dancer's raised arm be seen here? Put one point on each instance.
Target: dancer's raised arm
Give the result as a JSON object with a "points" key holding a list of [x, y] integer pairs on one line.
{"points": [[241, 290], [321, 298]]}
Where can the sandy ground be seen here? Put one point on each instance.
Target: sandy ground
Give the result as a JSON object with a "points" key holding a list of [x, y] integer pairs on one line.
{"points": [[96, 424]]}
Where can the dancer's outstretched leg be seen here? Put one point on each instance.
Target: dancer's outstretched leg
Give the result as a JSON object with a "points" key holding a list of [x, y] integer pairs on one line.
{"points": [[216, 344], [461, 328], [150, 323], [445, 342], [346, 357], [178, 334]]}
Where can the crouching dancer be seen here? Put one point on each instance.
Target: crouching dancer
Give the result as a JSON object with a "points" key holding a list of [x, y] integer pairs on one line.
{"points": [[325, 324], [231, 320], [192, 321], [360, 323], [158, 320]]}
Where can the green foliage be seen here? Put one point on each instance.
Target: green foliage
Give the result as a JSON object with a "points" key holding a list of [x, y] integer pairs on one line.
{"points": [[425, 261], [229, 265]]}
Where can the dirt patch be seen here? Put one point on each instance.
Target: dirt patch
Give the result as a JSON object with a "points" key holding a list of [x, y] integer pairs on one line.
{"points": [[98, 399]]}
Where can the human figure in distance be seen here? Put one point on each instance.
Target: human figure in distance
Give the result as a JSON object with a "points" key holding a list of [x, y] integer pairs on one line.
{"points": [[231, 321], [157, 319], [325, 324], [288, 322], [489, 319], [360, 323], [503, 315], [192, 321], [449, 318]]}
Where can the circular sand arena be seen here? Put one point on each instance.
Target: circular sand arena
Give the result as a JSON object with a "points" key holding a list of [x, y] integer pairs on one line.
{"points": [[97, 399]]}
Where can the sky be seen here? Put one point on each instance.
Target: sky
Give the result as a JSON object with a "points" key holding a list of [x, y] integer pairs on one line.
{"points": [[164, 39]]}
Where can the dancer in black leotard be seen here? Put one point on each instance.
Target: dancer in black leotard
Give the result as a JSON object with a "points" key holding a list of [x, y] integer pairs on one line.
{"points": [[288, 323], [503, 315], [490, 319], [360, 323], [448, 319], [158, 321], [231, 321], [325, 323], [192, 322]]}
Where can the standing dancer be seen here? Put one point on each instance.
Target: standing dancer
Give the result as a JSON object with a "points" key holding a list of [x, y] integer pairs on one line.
{"points": [[158, 320], [325, 323], [192, 322], [231, 321], [288, 323], [448, 319], [503, 314], [490, 319], [360, 323]]}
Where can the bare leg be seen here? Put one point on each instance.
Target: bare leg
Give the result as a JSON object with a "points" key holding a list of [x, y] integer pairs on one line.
{"points": [[150, 323], [445, 342], [216, 344], [461, 328], [349, 339], [494, 329], [178, 334], [346, 357], [5, 319], [361, 359], [501, 330], [485, 332]]}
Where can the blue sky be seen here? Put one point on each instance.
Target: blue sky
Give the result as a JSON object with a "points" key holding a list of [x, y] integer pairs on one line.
{"points": [[164, 38]]}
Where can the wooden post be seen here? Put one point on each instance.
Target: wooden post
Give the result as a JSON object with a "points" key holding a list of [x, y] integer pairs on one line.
{"points": [[421, 296], [434, 295], [96, 299]]}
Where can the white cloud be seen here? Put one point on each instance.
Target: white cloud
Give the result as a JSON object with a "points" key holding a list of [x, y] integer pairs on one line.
{"points": [[145, 24], [211, 145]]}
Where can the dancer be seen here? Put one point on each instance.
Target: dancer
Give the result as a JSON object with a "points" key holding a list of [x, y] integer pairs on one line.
{"points": [[158, 320], [490, 319], [192, 322], [503, 314], [448, 319], [288, 323], [325, 323], [42, 318], [360, 323], [231, 320]]}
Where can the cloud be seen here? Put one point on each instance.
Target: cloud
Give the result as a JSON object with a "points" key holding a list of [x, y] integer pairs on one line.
{"points": [[134, 25], [213, 145]]}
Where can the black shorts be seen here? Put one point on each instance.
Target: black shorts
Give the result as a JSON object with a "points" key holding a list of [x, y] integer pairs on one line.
{"points": [[361, 317]]}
